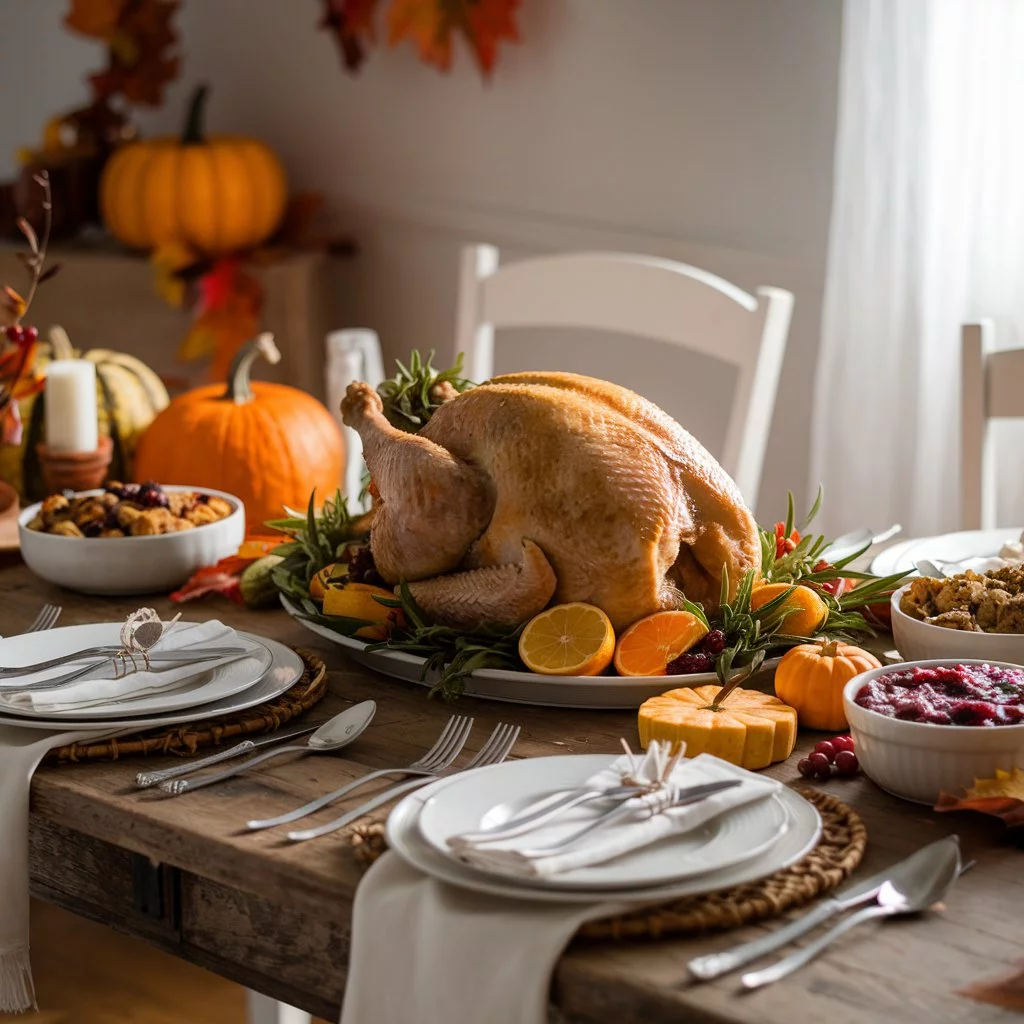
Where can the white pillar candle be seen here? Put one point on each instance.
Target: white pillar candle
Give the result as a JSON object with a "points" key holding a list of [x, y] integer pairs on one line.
{"points": [[71, 411]]}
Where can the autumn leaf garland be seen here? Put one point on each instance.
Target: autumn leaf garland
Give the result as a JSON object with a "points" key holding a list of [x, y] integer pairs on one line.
{"points": [[430, 25]]}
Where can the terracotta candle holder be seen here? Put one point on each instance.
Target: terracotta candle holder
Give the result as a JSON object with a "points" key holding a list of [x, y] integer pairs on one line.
{"points": [[75, 471]]}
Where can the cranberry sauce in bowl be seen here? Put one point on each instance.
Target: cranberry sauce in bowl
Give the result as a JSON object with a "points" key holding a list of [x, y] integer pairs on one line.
{"points": [[955, 694]]}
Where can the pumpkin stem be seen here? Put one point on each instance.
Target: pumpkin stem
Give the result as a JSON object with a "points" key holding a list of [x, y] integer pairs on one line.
{"points": [[239, 389], [60, 344], [829, 648], [193, 133]]}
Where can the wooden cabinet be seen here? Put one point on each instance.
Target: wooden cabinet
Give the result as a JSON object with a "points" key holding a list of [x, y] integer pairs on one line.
{"points": [[105, 298]]}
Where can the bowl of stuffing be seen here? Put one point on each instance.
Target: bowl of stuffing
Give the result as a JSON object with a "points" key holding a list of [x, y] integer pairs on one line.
{"points": [[129, 538], [969, 615]]}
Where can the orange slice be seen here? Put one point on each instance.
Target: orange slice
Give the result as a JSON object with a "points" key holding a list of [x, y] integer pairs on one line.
{"points": [[356, 601], [646, 648], [568, 640]]}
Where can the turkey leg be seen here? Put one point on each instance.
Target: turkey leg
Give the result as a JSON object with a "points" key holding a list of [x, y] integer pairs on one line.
{"points": [[432, 506]]}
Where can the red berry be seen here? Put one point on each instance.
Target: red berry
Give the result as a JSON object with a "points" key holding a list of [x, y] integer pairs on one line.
{"points": [[843, 743], [15, 333], [805, 768], [826, 748], [824, 774], [846, 762], [30, 334], [820, 761]]}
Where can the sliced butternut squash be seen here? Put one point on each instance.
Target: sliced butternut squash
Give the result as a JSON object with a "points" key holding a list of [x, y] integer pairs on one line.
{"points": [[749, 728]]}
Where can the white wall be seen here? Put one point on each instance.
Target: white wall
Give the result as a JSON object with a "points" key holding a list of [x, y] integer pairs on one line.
{"points": [[696, 129]]}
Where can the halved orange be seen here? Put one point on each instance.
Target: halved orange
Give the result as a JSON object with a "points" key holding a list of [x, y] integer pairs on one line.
{"points": [[646, 647], [334, 574], [568, 640]]}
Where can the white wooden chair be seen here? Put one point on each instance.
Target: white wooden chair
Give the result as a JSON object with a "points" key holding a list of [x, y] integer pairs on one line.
{"points": [[991, 387], [641, 296], [352, 354]]}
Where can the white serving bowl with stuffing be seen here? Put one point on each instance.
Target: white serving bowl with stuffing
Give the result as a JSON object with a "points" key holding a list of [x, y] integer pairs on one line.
{"points": [[918, 760], [130, 565], [917, 640]]}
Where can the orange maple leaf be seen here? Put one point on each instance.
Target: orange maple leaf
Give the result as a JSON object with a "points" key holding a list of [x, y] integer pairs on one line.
{"points": [[430, 24], [1002, 796], [351, 22], [95, 18]]}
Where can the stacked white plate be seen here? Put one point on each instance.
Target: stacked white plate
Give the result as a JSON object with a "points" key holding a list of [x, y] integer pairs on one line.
{"points": [[265, 671], [748, 843], [973, 549]]}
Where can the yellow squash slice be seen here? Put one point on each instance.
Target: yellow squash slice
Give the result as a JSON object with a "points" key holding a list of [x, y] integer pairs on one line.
{"points": [[750, 729]]}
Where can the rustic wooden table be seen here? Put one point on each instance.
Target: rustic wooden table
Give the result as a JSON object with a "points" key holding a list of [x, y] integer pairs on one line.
{"points": [[275, 917]]}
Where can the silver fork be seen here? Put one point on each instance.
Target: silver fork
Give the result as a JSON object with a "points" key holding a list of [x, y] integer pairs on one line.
{"points": [[46, 619], [498, 746], [448, 747]]}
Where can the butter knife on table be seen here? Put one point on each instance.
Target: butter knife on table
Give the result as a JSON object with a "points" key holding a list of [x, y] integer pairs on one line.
{"points": [[146, 779]]}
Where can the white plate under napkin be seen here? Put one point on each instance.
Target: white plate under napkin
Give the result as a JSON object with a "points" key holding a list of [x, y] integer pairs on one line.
{"points": [[405, 838], [974, 548], [140, 693], [724, 829]]}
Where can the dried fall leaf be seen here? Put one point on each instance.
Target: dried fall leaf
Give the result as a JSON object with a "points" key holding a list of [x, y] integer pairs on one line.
{"points": [[12, 306], [10, 424], [351, 23], [95, 18], [169, 260], [430, 24], [1002, 796], [1006, 991]]}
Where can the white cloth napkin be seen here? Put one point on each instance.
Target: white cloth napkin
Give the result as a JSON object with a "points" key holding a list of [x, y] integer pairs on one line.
{"points": [[512, 856], [425, 952], [101, 686], [21, 750], [428, 952]]}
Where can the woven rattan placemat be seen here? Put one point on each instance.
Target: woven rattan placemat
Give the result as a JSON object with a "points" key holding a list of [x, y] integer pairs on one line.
{"points": [[837, 853], [187, 739]]}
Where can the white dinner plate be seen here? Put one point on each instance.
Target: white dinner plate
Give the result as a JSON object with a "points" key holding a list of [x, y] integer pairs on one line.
{"points": [[971, 547], [480, 800], [285, 669], [403, 834], [220, 681], [584, 692]]}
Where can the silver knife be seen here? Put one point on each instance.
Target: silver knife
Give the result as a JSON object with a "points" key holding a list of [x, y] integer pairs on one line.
{"points": [[146, 779], [714, 965]]}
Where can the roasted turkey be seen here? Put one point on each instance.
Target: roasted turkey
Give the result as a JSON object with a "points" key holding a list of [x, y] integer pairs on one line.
{"points": [[540, 488]]}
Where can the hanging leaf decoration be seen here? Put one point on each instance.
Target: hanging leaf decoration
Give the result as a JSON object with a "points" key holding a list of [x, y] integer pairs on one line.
{"points": [[141, 45], [1006, 991], [227, 315], [430, 25], [1002, 796]]}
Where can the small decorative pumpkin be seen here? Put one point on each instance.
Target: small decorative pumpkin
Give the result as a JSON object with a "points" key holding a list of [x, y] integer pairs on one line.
{"points": [[743, 727], [811, 678], [216, 195], [269, 444], [130, 395]]}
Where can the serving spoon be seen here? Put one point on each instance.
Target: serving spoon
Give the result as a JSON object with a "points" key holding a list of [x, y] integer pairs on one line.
{"points": [[910, 889], [334, 734]]}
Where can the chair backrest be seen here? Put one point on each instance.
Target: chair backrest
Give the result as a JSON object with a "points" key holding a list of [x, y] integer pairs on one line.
{"points": [[642, 296], [352, 354], [991, 387]]}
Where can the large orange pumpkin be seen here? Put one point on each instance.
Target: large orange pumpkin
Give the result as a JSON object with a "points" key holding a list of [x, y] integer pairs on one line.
{"points": [[216, 195], [270, 444]]}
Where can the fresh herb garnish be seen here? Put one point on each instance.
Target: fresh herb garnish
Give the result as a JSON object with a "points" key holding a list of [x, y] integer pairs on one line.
{"points": [[417, 391]]}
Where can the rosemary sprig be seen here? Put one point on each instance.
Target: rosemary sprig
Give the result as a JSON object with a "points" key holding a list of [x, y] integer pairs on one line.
{"points": [[417, 391], [453, 654]]}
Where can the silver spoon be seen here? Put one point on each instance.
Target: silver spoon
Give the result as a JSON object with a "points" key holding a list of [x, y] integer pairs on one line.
{"points": [[904, 892], [334, 734]]}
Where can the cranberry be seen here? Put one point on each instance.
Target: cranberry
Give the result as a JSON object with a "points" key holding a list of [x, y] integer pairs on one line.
{"points": [[820, 761], [30, 334], [806, 769], [689, 663], [15, 333], [713, 643], [842, 743], [846, 762], [826, 748]]}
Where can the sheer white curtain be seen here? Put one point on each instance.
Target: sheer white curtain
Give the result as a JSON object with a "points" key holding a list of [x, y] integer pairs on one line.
{"points": [[927, 232]]}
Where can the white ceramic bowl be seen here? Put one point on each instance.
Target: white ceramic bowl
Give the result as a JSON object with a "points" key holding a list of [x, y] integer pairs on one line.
{"points": [[130, 565], [915, 760], [919, 641]]}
